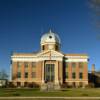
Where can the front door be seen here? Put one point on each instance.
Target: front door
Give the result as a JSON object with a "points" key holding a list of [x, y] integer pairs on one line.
{"points": [[49, 72]]}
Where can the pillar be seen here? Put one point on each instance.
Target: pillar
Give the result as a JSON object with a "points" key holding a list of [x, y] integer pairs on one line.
{"points": [[56, 73], [43, 72]]}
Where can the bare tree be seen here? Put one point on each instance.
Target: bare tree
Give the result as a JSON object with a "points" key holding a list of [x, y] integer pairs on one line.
{"points": [[94, 5], [3, 74]]}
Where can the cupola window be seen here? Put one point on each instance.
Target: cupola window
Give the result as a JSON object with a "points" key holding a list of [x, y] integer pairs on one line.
{"points": [[43, 47], [50, 36]]}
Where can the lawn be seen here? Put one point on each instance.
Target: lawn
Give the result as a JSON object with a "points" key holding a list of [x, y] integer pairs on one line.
{"points": [[64, 93]]}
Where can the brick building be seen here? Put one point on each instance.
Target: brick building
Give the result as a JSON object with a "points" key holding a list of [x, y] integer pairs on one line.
{"points": [[49, 65]]}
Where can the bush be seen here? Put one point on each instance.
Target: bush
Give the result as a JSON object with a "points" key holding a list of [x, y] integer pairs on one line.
{"points": [[11, 85], [84, 94], [16, 94], [90, 85]]}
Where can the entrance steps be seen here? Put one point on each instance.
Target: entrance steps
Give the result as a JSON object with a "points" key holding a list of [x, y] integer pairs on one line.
{"points": [[50, 86]]}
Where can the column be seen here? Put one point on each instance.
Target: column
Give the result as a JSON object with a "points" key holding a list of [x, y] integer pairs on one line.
{"points": [[60, 72], [56, 73], [30, 72], [14, 71], [43, 72], [22, 72], [77, 71], [69, 71]]}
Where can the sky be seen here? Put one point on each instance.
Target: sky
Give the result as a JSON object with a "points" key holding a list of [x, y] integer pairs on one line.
{"points": [[23, 22]]}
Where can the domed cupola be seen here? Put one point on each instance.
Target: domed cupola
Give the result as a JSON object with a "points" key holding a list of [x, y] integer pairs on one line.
{"points": [[50, 41]]}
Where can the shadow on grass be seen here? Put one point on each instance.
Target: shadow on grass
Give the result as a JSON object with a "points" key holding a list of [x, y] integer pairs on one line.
{"points": [[16, 94], [84, 94]]}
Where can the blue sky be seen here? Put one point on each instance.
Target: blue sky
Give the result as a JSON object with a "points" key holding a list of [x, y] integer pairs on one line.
{"points": [[23, 22]]}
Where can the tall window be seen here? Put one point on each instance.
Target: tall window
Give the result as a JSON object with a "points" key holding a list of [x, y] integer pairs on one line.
{"points": [[33, 64], [26, 74], [66, 66], [26, 66], [49, 72], [43, 47], [19, 75], [66, 74], [19, 65], [81, 66], [33, 69], [57, 47], [73, 67], [80, 75], [73, 75], [33, 74]]}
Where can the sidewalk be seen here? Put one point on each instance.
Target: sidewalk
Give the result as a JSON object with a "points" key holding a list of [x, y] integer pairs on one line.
{"points": [[67, 98]]}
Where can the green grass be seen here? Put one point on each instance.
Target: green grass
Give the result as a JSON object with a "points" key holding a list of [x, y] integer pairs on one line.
{"points": [[36, 92]]}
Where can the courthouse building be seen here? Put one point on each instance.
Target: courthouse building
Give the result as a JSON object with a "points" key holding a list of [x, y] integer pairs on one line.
{"points": [[49, 65]]}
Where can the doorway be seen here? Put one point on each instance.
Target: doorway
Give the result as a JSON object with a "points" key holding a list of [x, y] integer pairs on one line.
{"points": [[49, 72]]}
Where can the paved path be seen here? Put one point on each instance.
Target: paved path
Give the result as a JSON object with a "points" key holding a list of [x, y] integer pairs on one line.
{"points": [[66, 98]]}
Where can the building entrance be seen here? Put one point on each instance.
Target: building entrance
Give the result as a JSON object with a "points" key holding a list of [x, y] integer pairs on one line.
{"points": [[49, 72]]}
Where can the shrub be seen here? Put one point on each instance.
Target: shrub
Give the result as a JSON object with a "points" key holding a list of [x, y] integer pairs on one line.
{"points": [[16, 94], [84, 94]]}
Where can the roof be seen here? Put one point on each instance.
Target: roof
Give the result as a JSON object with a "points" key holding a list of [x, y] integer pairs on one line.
{"points": [[3, 79], [50, 37], [25, 54], [75, 54]]}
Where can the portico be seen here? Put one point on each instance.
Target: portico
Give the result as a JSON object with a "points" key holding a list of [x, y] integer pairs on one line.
{"points": [[50, 72]]}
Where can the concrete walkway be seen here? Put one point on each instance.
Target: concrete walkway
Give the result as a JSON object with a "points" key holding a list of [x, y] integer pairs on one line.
{"points": [[66, 98]]}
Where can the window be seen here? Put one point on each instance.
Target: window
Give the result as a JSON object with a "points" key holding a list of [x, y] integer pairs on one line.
{"points": [[66, 75], [56, 47], [73, 67], [52, 67], [19, 65], [19, 75], [26, 74], [80, 65], [33, 64], [50, 36], [49, 72], [33, 74], [73, 75], [80, 75], [26, 65], [66, 66], [48, 68], [43, 47]]}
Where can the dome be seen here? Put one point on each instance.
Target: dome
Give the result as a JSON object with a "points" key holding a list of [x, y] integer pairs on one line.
{"points": [[50, 37]]}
